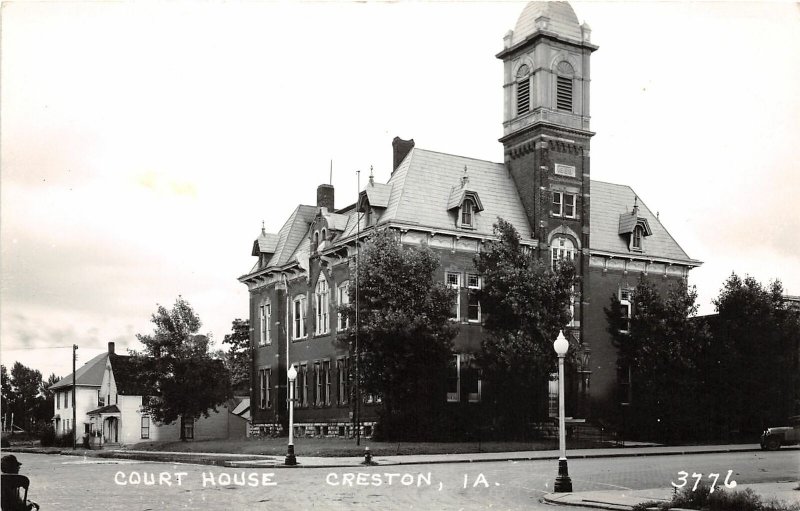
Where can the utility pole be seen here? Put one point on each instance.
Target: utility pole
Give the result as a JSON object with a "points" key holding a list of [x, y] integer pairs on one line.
{"points": [[358, 270], [74, 388]]}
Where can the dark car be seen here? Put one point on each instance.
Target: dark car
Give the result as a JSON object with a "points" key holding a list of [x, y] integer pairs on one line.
{"points": [[774, 438]]}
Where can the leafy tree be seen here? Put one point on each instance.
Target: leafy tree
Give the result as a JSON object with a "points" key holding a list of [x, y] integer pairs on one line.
{"points": [[25, 383], [6, 396], [404, 334], [45, 407], [664, 349], [756, 346], [238, 358], [527, 304], [185, 381]]}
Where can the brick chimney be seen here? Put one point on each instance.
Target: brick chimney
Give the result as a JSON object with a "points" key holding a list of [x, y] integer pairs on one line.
{"points": [[400, 149], [325, 196], [111, 348]]}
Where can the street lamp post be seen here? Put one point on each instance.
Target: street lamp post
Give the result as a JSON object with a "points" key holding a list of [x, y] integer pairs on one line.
{"points": [[563, 482], [290, 457]]}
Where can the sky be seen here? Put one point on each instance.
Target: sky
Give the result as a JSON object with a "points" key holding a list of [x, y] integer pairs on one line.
{"points": [[143, 144]]}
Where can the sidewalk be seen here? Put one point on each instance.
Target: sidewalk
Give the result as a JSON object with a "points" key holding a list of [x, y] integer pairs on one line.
{"points": [[427, 459], [260, 461], [625, 500]]}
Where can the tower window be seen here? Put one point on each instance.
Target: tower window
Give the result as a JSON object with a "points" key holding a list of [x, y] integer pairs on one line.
{"points": [[563, 204], [523, 96], [561, 249], [564, 93], [523, 90]]}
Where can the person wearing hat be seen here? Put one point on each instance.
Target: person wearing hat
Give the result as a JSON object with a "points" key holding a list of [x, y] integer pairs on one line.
{"points": [[11, 499]]}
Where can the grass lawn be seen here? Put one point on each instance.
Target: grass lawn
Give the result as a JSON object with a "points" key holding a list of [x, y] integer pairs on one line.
{"points": [[347, 447]]}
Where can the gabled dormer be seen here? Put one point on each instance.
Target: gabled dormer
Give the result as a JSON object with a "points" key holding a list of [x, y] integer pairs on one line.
{"points": [[465, 202], [635, 228], [264, 246], [325, 228], [373, 200]]}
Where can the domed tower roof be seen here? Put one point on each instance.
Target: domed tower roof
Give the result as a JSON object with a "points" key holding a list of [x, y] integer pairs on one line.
{"points": [[556, 17]]}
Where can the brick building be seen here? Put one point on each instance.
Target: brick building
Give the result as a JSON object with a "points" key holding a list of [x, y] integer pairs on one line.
{"points": [[543, 187]]}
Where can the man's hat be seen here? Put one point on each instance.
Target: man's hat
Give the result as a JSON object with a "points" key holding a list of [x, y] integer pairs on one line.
{"points": [[9, 463]]}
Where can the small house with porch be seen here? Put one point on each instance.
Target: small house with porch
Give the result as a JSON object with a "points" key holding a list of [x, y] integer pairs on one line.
{"points": [[108, 407]]}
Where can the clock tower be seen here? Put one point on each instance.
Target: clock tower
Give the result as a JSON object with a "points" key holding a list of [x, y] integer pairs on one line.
{"points": [[546, 134]]}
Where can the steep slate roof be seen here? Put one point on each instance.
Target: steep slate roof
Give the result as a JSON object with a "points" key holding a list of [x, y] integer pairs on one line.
{"points": [[421, 191], [422, 186], [89, 374], [608, 202], [292, 233]]}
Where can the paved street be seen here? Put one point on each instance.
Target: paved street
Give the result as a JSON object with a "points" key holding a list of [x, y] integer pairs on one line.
{"points": [[69, 483]]}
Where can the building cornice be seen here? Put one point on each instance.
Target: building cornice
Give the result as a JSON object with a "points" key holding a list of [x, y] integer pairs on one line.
{"points": [[692, 263], [544, 34]]}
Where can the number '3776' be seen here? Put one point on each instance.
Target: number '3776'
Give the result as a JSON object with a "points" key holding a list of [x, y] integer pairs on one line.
{"points": [[683, 479]]}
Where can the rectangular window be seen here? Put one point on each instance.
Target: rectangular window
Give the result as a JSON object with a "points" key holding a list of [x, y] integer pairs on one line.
{"points": [[474, 307], [552, 395], [265, 388], [318, 384], [326, 376], [564, 93], [266, 320], [564, 204], [472, 378], [453, 280], [188, 429], [625, 299], [466, 213], [145, 427], [569, 205], [343, 377], [343, 299], [454, 380], [624, 379], [58, 399], [299, 317], [302, 386], [573, 321], [101, 400], [523, 96]]}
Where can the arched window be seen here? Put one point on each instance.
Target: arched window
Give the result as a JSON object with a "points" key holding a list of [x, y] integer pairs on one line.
{"points": [[564, 86], [315, 244], [322, 305], [636, 238], [562, 249], [523, 90], [467, 213]]}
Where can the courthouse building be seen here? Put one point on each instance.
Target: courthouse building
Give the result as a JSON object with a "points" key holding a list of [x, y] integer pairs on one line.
{"points": [[543, 187]]}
